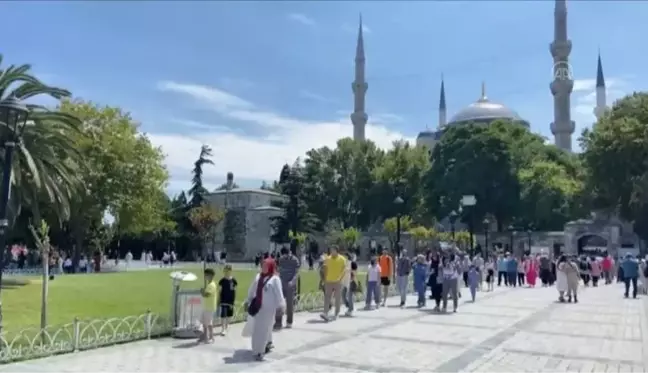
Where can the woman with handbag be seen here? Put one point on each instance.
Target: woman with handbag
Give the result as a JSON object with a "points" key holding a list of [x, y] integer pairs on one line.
{"points": [[264, 298]]}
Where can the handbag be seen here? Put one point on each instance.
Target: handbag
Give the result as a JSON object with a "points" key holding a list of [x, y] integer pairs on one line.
{"points": [[255, 305]]}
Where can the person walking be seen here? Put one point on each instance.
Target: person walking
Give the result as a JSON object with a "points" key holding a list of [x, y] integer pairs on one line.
{"points": [[373, 285], [544, 264], [531, 269], [630, 268], [595, 271], [403, 269], [561, 278], [349, 284], [386, 272], [511, 269], [473, 282], [435, 281], [263, 300], [335, 266], [450, 274], [607, 267], [420, 276], [501, 271], [490, 274], [571, 269], [289, 267], [521, 273]]}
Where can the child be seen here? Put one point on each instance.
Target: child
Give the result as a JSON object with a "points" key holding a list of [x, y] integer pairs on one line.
{"points": [[208, 306], [473, 281], [373, 289], [420, 274], [226, 297]]}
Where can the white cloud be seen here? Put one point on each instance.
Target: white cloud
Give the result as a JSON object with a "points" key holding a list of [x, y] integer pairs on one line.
{"points": [[258, 158], [301, 18], [584, 94], [314, 96]]}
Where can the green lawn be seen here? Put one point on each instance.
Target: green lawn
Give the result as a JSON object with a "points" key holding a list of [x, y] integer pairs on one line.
{"points": [[108, 295]]}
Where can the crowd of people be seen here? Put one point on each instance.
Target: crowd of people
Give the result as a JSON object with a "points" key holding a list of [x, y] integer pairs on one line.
{"points": [[445, 273]]}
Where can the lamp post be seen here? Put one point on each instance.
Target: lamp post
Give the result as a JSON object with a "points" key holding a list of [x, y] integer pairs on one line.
{"points": [[511, 230], [453, 219], [398, 201], [486, 223], [14, 116]]}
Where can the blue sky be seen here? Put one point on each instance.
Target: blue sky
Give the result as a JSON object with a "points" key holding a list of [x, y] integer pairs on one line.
{"points": [[262, 82]]}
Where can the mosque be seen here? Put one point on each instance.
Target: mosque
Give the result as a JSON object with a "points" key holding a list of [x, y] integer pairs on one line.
{"points": [[583, 235], [487, 111]]}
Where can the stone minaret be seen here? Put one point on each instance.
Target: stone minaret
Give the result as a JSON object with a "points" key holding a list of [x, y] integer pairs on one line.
{"points": [[601, 96], [442, 105], [359, 87], [563, 83]]}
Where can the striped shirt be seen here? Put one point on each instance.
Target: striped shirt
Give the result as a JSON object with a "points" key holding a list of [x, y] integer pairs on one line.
{"points": [[288, 267]]}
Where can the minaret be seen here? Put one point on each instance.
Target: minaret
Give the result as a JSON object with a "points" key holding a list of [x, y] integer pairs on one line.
{"points": [[601, 96], [442, 105], [359, 87], [563, 83]]}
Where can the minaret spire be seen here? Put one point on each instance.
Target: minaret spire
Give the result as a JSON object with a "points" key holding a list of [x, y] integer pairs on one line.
{"points": [[562, 85], [601, 95], [359, 86], [483, 96], [442, 105]]}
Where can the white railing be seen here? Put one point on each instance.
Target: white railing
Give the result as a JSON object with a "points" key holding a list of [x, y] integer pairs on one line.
{"points": [[82, 335]]}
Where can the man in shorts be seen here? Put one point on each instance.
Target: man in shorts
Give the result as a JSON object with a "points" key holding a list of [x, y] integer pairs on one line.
{"points": [[386, 272]]}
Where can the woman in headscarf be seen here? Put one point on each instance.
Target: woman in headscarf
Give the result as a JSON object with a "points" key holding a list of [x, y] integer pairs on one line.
{"points": [[264, 298]]}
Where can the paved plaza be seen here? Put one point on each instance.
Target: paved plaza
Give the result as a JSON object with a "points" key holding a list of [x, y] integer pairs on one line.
{"points": [[509, 330]]}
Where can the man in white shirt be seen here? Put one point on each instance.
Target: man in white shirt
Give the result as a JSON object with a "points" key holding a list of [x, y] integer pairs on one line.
{"points": [[348, 283]]}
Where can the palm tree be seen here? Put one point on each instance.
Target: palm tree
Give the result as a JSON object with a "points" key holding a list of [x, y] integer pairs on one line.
{"points": [[47, 160]]}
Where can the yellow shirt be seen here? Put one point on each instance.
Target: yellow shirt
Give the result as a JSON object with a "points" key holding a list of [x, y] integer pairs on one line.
{"points": [[335, 267], [209, 298]]}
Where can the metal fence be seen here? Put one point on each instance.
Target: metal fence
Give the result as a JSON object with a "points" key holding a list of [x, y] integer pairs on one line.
{"points": [[80, 335]]}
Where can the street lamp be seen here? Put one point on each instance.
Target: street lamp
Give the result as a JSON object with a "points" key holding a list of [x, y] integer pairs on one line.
{"points": [[453, 219], [511, 230], [13, 115], [486, 223], [398, 201]]}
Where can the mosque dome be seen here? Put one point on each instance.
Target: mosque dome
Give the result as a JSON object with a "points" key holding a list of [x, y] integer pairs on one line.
{"points": [[485, 111]]}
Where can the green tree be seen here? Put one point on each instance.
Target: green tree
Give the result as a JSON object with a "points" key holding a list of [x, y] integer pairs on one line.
{"points": [[473, 159], [46, 161], [198, 191], [205, 219], [295, 216], [615, 153], [122, 175]]}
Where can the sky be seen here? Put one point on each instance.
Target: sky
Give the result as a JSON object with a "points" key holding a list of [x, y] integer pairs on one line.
{"points": [[263, 82]]}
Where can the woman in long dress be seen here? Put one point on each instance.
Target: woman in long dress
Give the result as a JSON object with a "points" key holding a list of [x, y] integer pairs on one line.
{"points": [[267, 287], [561, 278], [531, 271]]}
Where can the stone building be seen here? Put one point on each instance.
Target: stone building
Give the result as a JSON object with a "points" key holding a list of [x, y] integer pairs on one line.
{"points": [[246, 228]]}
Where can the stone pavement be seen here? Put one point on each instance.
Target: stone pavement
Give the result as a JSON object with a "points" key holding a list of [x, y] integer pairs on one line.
{"points": [[509, 330]]}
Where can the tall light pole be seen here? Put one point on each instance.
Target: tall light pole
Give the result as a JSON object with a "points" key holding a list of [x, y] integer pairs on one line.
{"points": [[13, 115], [511, 230], [398, 201], [228, 188], [486, 223], [453, 219]]}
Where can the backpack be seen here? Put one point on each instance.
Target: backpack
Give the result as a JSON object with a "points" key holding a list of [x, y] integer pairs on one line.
{"points": [[255, 305]]}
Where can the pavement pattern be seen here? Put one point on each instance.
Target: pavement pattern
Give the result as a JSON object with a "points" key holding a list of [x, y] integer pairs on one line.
{"points": [[508, 330]]}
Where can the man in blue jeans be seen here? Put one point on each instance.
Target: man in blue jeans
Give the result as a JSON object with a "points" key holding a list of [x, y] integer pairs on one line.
{"points": [[630, 268]]}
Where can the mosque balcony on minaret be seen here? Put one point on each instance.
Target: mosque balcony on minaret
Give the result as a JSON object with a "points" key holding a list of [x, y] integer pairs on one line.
{"points": [[561, 87], [359, 117], [560, 49], [359, 87], [562, 127]]}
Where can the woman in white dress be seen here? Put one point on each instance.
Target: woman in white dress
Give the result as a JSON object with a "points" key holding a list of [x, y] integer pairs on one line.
{"points": [[266, 289], [561, 278]]}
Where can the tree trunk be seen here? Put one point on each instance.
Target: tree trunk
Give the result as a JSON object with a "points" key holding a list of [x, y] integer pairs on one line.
{"points": [[44, 290]]}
